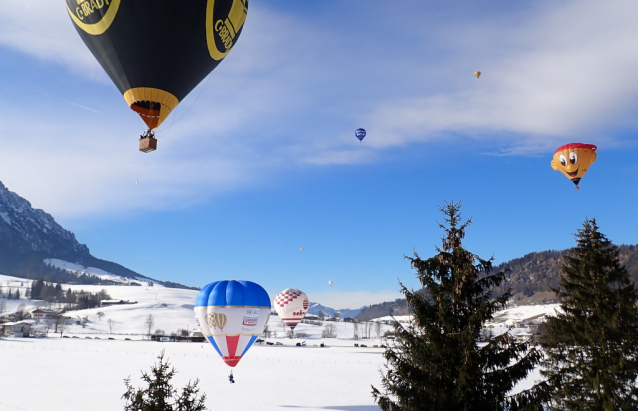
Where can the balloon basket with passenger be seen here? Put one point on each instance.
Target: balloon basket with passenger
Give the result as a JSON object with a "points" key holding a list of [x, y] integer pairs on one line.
{"points": [[157, 54], [148, 142]]}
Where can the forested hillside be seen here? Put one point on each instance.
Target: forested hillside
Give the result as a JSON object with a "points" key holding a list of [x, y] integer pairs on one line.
{"points": [[531, 274], [529, 279]]}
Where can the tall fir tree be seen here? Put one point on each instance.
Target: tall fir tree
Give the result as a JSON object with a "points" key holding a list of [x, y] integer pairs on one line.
{"points": [[591, 347], [436, 362]]}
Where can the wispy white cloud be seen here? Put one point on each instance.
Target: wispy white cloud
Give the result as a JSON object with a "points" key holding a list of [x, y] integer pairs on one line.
{"points": [[43, 29], [296, 87], [563, 72]]}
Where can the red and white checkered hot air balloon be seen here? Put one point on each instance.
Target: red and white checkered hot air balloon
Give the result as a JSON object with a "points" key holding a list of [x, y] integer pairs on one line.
{"points": [[291, 305]]}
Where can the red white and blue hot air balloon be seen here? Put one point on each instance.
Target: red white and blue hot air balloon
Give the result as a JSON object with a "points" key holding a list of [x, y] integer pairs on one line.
{"points": [[291, 305], [232, 314]]}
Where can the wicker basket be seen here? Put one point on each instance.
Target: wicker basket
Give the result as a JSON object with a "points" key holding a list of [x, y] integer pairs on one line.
{"points": [[148, 144]]}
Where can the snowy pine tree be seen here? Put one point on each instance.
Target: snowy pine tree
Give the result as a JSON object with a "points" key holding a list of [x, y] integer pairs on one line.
{"points": [[436, 362], [160, 394], [592, 345]]}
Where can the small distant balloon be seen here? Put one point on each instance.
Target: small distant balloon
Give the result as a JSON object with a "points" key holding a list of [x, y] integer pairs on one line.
{"points": [[330, 282], [477, 74], [360, 134], [301, 248]]}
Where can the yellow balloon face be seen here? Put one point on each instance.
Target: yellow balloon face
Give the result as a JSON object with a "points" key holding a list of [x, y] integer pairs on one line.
{"points": [[573, 160]]}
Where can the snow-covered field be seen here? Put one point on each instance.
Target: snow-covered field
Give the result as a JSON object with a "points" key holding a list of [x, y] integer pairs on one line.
{"points": [[57, 374], [68, 373]]}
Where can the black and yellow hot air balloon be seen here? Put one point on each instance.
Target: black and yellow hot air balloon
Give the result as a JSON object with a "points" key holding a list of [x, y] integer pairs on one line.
{"points": [[156, 52]]}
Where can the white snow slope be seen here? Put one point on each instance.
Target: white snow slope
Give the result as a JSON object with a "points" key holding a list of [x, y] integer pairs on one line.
{"points": [[93, 271]]}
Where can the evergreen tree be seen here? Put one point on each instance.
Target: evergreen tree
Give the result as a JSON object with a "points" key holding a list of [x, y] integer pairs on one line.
{"points": [[436, 362], [591, 347], [160, 394]]}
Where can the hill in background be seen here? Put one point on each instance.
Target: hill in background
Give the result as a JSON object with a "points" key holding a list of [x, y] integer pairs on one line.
{"points": [[529, 279], [531, 274]]}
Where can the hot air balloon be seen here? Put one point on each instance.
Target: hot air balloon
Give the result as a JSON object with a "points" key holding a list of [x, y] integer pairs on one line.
{"points": [[301, 248], [232, 314], [291, 305], [477, 74], [330, 282], [157, 52], [360, 134], [573, 160]]}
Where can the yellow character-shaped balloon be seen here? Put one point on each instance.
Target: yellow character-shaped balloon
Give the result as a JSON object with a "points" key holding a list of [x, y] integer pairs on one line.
{"points": [[574, 159]]}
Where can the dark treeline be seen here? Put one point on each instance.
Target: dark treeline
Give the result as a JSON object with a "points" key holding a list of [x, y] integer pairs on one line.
{"points": [[78, 300], [170, 284]]}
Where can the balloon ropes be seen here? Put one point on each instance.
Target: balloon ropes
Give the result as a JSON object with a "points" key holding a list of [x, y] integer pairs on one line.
{"points": [[291, 305], [360, 134], [232, 314], [573, 160], [156, 52]]}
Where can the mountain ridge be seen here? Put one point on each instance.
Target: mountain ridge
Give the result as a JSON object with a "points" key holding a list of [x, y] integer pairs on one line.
{"points": [[28, 236], [344, 312]]}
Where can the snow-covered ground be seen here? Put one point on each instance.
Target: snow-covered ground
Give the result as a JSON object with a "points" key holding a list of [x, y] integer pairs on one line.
{"points": [[524, 313], [68, 373], [399, 318], [59, 374]]}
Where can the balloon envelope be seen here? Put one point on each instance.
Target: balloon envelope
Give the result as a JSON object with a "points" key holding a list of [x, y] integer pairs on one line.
{"points": [[291, 305], [232, 314], [360, 134], [477, 74], [330, 282], [573, 160], [156, 52]]}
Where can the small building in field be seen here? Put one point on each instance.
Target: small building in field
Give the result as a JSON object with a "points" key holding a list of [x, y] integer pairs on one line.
{"points": [[197, 336], [17, 329], [43, 314]]}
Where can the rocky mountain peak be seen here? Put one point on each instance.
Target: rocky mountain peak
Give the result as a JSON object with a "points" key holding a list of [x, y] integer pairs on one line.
{"points": [[24, 229]]}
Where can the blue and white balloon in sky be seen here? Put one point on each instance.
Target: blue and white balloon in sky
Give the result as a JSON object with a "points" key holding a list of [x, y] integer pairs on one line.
{"points": [[231, 315], [360, 133]]}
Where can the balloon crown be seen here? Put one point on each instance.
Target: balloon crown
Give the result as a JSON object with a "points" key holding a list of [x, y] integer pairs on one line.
{"points": [[576, 145]]}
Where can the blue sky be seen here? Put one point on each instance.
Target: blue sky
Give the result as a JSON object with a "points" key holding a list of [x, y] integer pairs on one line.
{"points": [[262, 159]]}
